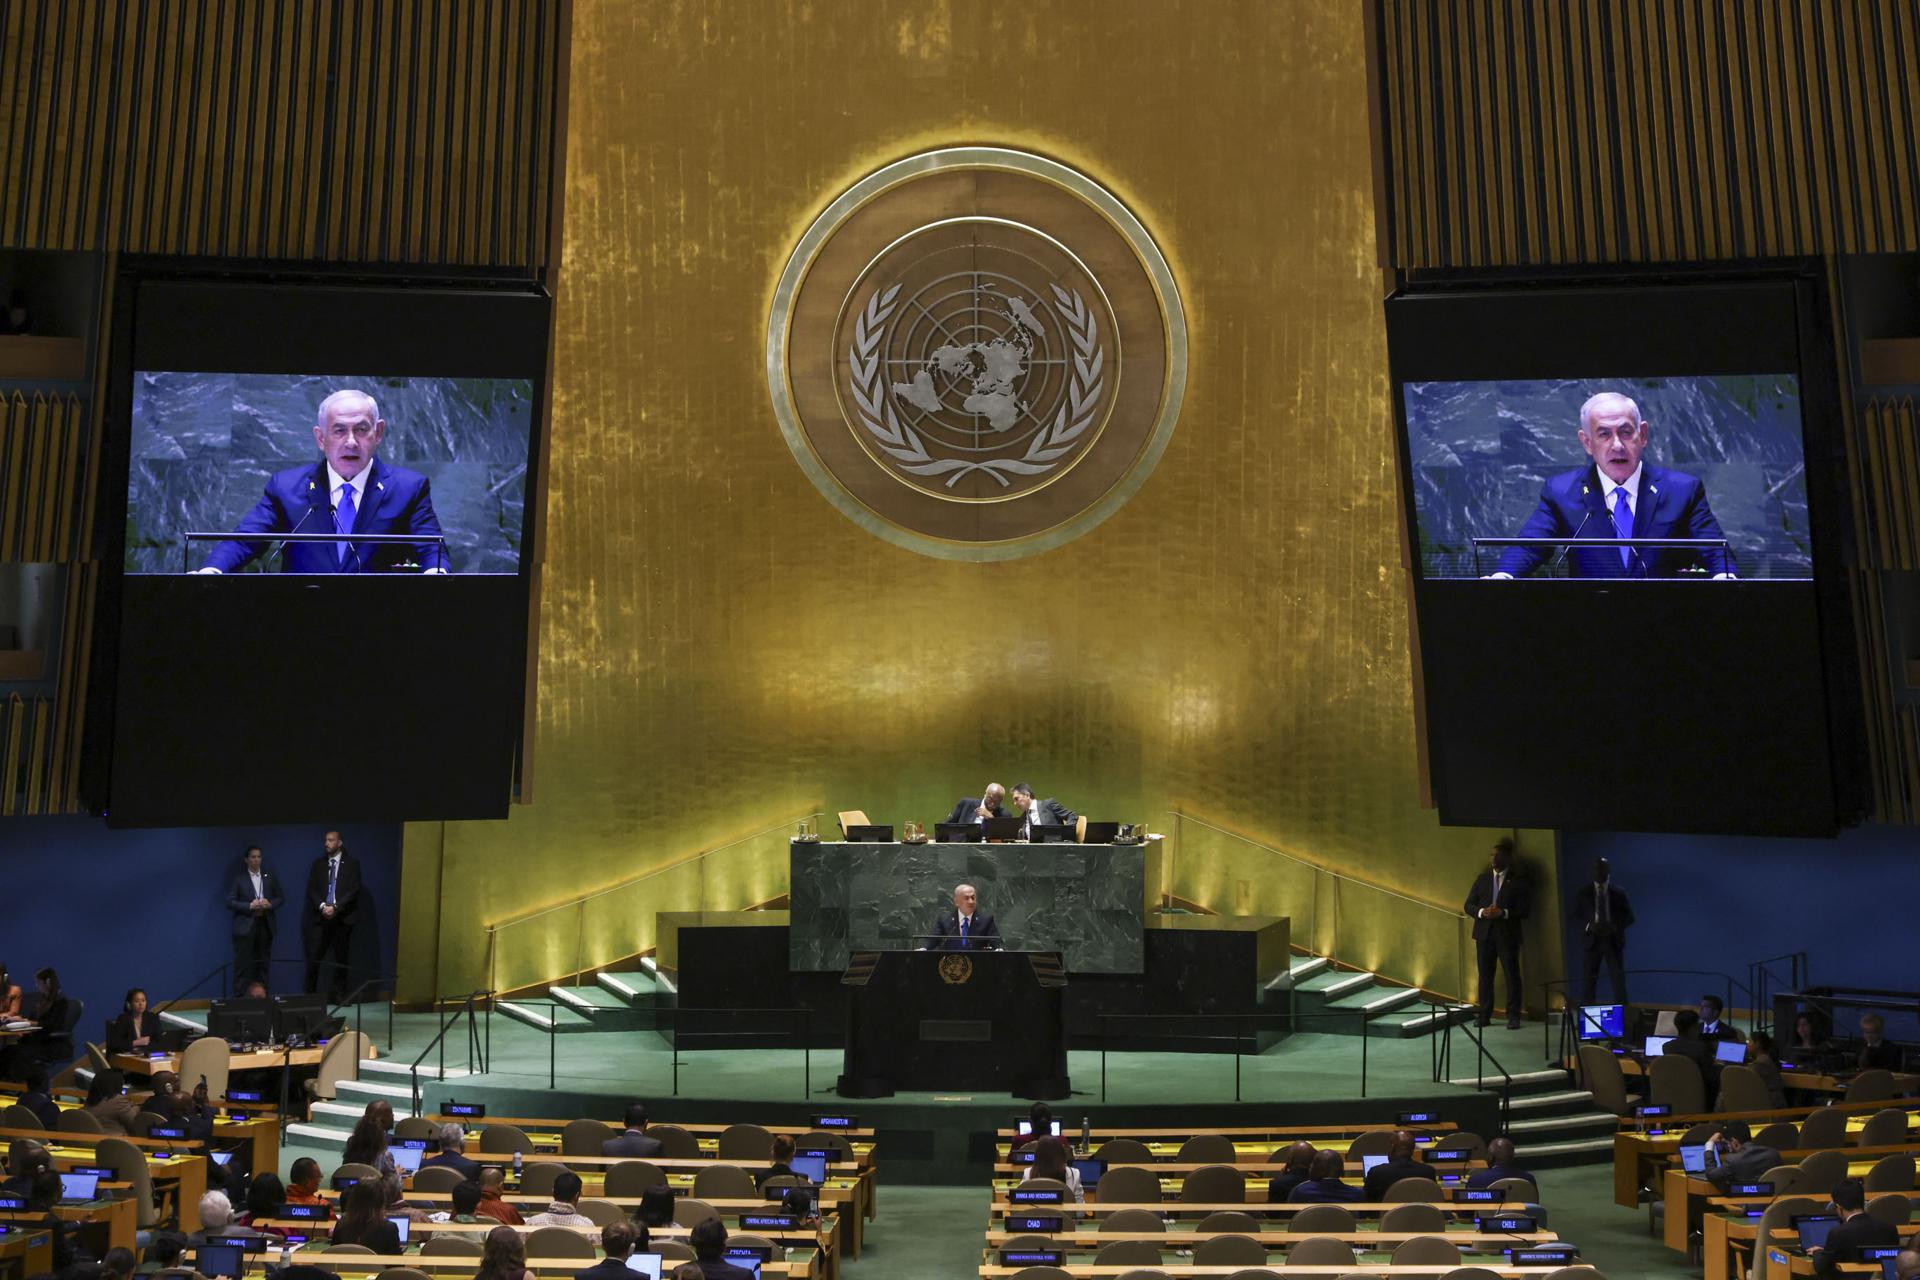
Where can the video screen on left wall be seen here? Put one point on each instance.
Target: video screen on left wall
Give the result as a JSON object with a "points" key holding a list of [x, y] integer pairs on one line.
{"points": [[327, 473]]}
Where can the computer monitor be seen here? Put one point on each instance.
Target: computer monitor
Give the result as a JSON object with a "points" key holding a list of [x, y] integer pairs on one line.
{"points": [[225, 1261], [1102, 832], [1090, 1171], [1730, 1051], [871, 833], [1003, 828], [1369, 1163], [748, 1260], [1052, 833], [1025, 1127], [241, 1021], [406, 1159], [957, 832], [1814, 1229], [302, 1016], [812, 1168], [1657, 1045], [647, 1264], [1603, 1021], [79, 1188], [401, 1223]]}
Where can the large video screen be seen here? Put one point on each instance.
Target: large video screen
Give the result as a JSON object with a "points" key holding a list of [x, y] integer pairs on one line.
{"points": [[1691, 477], [427, 474]]}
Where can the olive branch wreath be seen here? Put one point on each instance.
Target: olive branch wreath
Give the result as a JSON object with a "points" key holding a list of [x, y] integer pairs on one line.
{"points": [[899, 441]]}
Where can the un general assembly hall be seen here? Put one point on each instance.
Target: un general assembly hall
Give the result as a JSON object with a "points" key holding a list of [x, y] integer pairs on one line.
{"points": [[1214, 639]]}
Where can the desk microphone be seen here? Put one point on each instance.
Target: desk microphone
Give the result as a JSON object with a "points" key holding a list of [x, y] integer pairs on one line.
{"points": [[280, 547], [1568, 546]]}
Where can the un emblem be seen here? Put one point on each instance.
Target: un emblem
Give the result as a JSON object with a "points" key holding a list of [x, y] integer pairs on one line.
{"points": [[955, 970], [977, 353]]}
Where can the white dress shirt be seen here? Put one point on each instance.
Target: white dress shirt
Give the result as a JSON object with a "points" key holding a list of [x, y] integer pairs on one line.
{"points": [[338, 485]]}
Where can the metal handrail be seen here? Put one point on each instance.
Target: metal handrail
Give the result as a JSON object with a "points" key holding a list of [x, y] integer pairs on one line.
{"points": [[353, 998], [438, 1042], [1760, 976], [1239, 1020], [1483, 1056]]}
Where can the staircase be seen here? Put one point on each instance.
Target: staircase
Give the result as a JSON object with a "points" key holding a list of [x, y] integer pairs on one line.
{"points": [[615, 1001], [381, 1079], [1385, 1008], [1551, 1124]]}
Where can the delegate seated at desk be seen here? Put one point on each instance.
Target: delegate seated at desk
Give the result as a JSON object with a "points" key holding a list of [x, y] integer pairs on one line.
{"points": [[965, 928], [133, 1030], [1857, 1229], [992, 804], [1040, 813]]}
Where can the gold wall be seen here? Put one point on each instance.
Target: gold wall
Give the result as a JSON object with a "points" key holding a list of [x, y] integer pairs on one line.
{"points": [[720, 649]]}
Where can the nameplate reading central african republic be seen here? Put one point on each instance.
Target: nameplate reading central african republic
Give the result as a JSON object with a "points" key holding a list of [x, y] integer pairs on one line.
{"points": [[977, 353]]}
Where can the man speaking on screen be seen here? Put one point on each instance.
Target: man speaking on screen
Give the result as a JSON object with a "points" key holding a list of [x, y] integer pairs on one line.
{"points": [[349, 491], [1619, 496]]}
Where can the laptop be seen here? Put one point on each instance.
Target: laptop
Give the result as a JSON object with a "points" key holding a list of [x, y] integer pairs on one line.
{"points": [[812, 1168], [226, 1256], [1002, 828], [406, 1159], [1657, 1045], [1090, 1172], [1603, 1021], [1369, 1163], [1814, 1228], [748, 1260], [872, 833], [1102, 832], [647, 1264], [1698, 1159], [79, 1188], [957, 832], [1730, 1051], [401, 1223], [1025, 1128]]}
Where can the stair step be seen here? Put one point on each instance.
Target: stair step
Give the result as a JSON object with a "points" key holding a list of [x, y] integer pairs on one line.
{"points": [[347, 1112], [318, 1134], [1548, 1155], [1494, 1078], [1543, 1101], [1332, 984], [634, 986], [404, 1070], [1415, 1020], [374, 1089], [545, 1017], [1555, 1124], [589, 1000], [1303, 967], [1377, 999]]}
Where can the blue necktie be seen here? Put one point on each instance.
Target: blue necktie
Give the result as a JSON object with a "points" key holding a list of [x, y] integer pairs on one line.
{"points": [[1623, 523], [343, 521], [963, 933], [332, 870]]}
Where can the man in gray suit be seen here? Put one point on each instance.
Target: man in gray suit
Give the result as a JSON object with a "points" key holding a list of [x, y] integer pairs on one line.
{"points": [[1041, 813], [634, 1144]]}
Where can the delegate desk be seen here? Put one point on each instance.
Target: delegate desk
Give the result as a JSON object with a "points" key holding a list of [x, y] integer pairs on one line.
{"points": [[27, 1253], [1687, 1196], [813, 1247], [1640, 1155], [1086, 901], [1388, 1271], [266, 1058], [457, 1265]]}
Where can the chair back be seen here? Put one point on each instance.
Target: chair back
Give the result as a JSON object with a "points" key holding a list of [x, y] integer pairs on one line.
{"points": [[209, 1056], [1884, 1129], [603, 1212], [1742, 1089], [822, 1138], [414, 1127], [79, 1120], [1408, 1190], [1230, 1251], [504, 1139], [142, 1124], [1043, 1273], [1131, 1221], [852, 818], [354, 1169], [1895, 1210], [1210, 1184], [1781, 1135], [1375, 1142], [675, 1143], [18, 1117], [1871, 1086], [1129, 1185], [1676, 1082], [463, 1246], [129, 1165], [97, 1057], [437, 1177], [1124, 1151], [1891, 1173], [1579, 1271], [1427, 1251], [1207, 1148], [1116, 1253], [1464, 1140], [1471, 1273], [1334, 1219], [626, 1180], [1320, 1251], [724, 1182], [748, 1241], [691, 1212], [750, 1142], [673, 1250], [1414, 1216], [1824, 1128], [1515, 1190], [1821, 1170], [1777, 1216], [559, 1242], [1785, 1179], [537, 1179], [1227, 1220], [1699, 1133], [350, 1249], [402, 1273], [1601, 1075], [341, 1061]]}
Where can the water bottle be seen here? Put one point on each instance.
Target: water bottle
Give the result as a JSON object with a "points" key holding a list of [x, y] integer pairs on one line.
{"points": [[1086, 1136], [516, 1166]]}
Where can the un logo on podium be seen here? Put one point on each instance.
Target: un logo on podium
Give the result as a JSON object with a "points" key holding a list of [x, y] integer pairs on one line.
{"points": [[956, 971], [977, 353]]}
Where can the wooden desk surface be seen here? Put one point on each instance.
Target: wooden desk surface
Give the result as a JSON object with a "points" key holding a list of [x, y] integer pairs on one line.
{"points": [[1001, 1206], [1081, 1272], [1248, 1133], [365, 1264], [146, 1064], [30, 1251], [1364, 1241], [554, 1124]]}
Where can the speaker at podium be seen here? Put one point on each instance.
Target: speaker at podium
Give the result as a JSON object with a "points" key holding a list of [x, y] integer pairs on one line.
{"points": [[980, 1020]]}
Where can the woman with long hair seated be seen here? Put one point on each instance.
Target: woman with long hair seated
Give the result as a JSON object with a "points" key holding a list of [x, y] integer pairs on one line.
{"points": [[133, 1030], [367, 1144], [504, 1257], [363, 1219], [1050, 1161]]}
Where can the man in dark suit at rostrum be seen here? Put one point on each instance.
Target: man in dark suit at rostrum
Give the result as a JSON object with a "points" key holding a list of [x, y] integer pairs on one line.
{"points": [[333, 905], [253, 899], [1602, 914], [964, 928], [991, 805], [1041, 813], [634, 1144], [1399, 1164], [348, 491], [1498, 905], [1617, 495]]}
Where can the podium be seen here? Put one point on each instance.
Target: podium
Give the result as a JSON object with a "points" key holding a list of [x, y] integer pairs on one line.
{"points": [[978, 1020]]}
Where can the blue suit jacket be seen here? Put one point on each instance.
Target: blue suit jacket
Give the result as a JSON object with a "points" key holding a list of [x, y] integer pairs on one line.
{"points": [[297, 501], [240, 902], [1672, 504]]}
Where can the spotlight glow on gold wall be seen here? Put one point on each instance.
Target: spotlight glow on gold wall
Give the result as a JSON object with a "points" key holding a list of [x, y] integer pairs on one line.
{"points": [[720, 649]]}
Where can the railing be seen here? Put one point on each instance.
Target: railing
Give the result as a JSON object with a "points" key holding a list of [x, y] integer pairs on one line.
{"points": [[800, 1014], [1443, 1067], [1762, 978], [476, 1052], [1422, 930], [359, 1006], [609, 924], [1236, 1024]]}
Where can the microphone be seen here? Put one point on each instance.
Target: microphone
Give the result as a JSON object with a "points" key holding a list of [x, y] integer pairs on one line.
{"points": [[1566, 547], [280, 547]]}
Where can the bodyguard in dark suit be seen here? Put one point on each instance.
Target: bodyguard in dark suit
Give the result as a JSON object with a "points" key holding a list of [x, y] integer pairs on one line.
{"points": [[1498, 905], [253, 900], [964, 928], [333, 905], [348, 492], [1041, 813], [1602, 914], [1619, 496], [992, 804]]}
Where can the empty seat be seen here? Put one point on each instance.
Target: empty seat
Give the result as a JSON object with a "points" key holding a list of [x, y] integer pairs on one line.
{"points": [[1124, 1151], [1213, 1184], [1781, 1135], [78, 1121], [1043, 1273], [1891, 1173], [1785, 1179], [537, 1179], [1883, 1129], [675, 1143], [1824, 1128], [1579, 1271], [1416, 1217], [1893, 1209], [1518, 1190], [585, 1137], [603, 1212], [1331, 1218], [1411, 1189], [1118, 1253], [402, 1273], [1821, 1170], [1131, 1221], [417, 1128], [1128, 1185], [1228, 1220], [1600, 1074], [749, 1142], [1871, 1086], [673, 1250], [1464, 1141], [823, 1138], [1474, 1273], [503, 1140], [210, 1057], [1207, 1148], [340, 1060], [724, 1182], [626, 1180], [559, 1242], [689, 1212], [129, 1165], [438, 1178], [1742, 1089], [463, 1246], [1320, 1251], [1230, 1251], [1426, 1251], [357, 1171], [1779, 1214], [1676, 1082]]}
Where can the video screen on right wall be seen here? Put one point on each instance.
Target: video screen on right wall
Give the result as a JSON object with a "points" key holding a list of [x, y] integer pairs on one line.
{"points": [[1522, 478]]}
